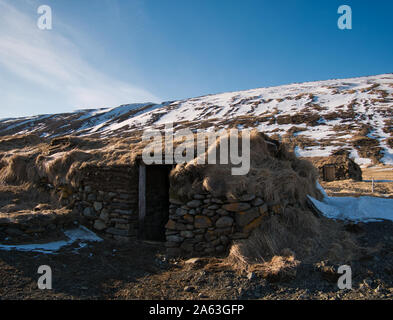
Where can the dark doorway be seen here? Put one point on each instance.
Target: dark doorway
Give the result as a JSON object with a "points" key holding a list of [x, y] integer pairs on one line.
{"points": [[154, 201], [329, 173]]}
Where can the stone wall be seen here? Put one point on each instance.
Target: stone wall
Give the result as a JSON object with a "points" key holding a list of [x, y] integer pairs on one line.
{"points": [[108, 201], [206, 225]]}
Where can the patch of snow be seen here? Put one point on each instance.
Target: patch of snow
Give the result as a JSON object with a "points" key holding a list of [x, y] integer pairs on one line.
{"points": [[81, 234], [365, 209]]}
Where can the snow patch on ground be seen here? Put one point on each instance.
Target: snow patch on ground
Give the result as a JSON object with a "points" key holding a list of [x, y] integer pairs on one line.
{"points": [[80, 234], [365, 209]]}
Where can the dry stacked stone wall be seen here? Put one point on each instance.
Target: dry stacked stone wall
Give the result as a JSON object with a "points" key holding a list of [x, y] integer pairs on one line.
{"points": [[108, 201], [206, 225]]}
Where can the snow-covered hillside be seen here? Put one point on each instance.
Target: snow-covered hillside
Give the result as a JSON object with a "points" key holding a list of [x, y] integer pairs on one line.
{"points": [[316, 118]]}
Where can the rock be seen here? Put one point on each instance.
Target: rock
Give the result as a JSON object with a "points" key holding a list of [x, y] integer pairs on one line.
{"points": [[171, 225], [87, 189], [104, 215], [202, 222], [189, 218], [216, 200], [117, 232], [210, 236], [122, 226], [236, 206], [209, 213], [224, 240], [91, 197], [213, 207], [194, 203], [111, 195], [181, 226], [243, 218], [187, 234], [97, 206], [199, 196], [224, 222], [257, 202], [174, 238], [180, 212], [88, 212], [99, 225], [222, 212]]}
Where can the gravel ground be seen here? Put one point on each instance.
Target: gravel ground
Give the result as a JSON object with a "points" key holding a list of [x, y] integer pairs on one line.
{"points": [[141, 271]]}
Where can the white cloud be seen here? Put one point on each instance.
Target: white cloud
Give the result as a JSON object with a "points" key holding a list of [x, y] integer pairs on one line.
{"points": [[53, 62]]}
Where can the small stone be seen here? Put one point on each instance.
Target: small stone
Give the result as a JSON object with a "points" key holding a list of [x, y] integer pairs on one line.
{"points": [[97, 206], [194, 203], [91, 197], [87, 189], [99, 225], [174, 238], [88, 212], [180, 212], [189, 218], [257, 202], [117, 232], [213, 207], [237, 206], [104, 215], [202, 222], [171, 225], [224, 240], [199, 196], [216, 200], [187, 234], [222, 212], [224, 222]]}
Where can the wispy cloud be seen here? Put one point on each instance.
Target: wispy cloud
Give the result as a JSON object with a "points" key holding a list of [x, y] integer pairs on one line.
{"points": [[52, 61]]}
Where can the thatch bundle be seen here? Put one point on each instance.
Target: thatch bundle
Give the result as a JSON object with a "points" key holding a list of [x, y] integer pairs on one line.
{"points": [[275, 175]]}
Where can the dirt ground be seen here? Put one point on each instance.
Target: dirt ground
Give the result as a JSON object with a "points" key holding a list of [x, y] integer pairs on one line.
{"points": [[383, 184], [141, 271]]}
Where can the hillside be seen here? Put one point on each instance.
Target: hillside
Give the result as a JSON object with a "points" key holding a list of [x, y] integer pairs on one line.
{"points": [[315, 118]]}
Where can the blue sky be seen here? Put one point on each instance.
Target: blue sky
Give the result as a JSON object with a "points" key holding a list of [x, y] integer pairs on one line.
{"points": [[109, 52]]}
